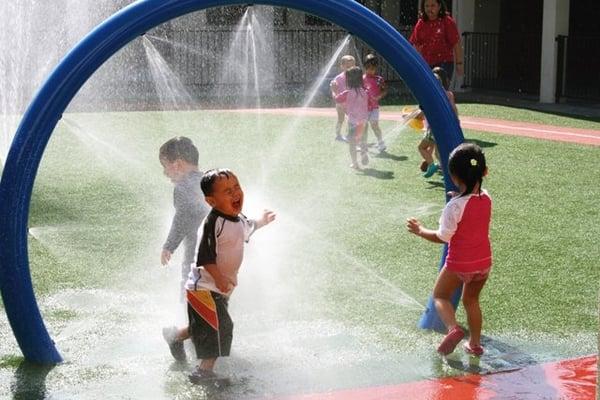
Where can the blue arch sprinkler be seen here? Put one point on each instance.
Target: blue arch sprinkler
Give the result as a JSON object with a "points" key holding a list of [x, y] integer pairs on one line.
{"points": [[89, 54]]}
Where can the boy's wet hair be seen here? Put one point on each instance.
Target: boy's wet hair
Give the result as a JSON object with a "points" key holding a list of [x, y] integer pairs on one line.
{"points": [[441, 74], [354, 78], [370, 61], [211, 176], [467, 163], [179, 148]]}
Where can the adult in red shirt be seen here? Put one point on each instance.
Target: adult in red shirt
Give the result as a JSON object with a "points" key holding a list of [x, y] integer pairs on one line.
{"points": [[436, 37]]}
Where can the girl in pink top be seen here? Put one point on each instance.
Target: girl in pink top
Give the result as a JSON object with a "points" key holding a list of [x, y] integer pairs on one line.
{"points": [[356, 102], [464, 225]]}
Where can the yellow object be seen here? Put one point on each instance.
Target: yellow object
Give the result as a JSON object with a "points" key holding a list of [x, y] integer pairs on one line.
{"points": [[414, 118], [416, 124]]}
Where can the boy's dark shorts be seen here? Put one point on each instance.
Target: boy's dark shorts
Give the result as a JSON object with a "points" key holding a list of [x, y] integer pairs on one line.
{"points": [[208, 342]]}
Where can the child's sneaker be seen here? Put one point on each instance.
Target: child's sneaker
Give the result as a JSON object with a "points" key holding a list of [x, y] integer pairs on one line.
{"points": [[381, 146], [431, 169], [454, 336], [175, 345], [476, 351], [355, 166], [340, 138], [200, 375]]}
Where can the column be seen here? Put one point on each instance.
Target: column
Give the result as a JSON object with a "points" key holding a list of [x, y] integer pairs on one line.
{"points": [[555, 22]]}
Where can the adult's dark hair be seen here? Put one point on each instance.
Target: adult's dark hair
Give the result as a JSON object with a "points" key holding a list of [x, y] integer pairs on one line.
{"points": [[370, 61], [467, 163], [211, 176], [179, 148], [443, 76], [443, 10], [354, 78]]}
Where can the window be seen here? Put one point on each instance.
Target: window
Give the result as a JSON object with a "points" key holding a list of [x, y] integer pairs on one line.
{"points": [[230, 15]]}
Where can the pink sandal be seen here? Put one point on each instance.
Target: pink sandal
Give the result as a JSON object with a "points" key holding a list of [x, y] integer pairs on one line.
{"points": [[453, 338], [473, 350]]}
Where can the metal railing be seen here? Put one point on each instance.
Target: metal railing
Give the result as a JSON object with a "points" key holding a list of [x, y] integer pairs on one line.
{"points": [[299, 57], [504, 62], [577, 66]]}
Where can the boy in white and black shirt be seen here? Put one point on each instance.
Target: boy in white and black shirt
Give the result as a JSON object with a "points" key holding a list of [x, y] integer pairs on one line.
{"points": [[220, 254]]}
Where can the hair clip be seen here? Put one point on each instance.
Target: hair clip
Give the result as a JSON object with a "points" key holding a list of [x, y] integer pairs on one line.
{"points": [[473, 162]]}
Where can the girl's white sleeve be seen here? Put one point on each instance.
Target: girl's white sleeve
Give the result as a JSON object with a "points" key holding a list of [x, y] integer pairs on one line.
{"points": [[449, 221]]}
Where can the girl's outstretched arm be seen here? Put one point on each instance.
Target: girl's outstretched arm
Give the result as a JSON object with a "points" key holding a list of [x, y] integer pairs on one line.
{"points": [[414, 226]]}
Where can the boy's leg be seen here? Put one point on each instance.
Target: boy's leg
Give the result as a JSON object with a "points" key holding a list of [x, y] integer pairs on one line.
{"points": [[374, 121], [208, 342], [377, 131], [174, 338]]}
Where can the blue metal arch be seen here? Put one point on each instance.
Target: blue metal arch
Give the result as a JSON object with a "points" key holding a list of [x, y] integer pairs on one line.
{"points": [[88, 55]]}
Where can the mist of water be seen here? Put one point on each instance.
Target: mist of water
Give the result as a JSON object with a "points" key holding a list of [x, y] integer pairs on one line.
{"points": [[325, 72], [286, 138], [169, 88], [110, 153], [247, 65]]}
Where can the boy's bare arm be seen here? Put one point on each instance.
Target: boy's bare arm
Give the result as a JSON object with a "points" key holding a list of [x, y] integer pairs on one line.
{"points": [[267, 217]]}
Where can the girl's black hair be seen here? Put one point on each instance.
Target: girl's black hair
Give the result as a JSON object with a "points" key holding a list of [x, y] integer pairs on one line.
{"points": [[354, 78], [179, 148], [442, 76], [443, 10], [467, 163], [211, 176]]}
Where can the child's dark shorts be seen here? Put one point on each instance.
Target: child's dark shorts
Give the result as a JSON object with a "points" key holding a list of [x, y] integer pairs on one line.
{"points": [[208, 342]]}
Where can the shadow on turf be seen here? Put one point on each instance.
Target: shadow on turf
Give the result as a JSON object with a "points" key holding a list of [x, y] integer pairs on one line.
{"points": [[390, 156], [30, 381], [436, 184], [375, 173], [481, 143]]}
